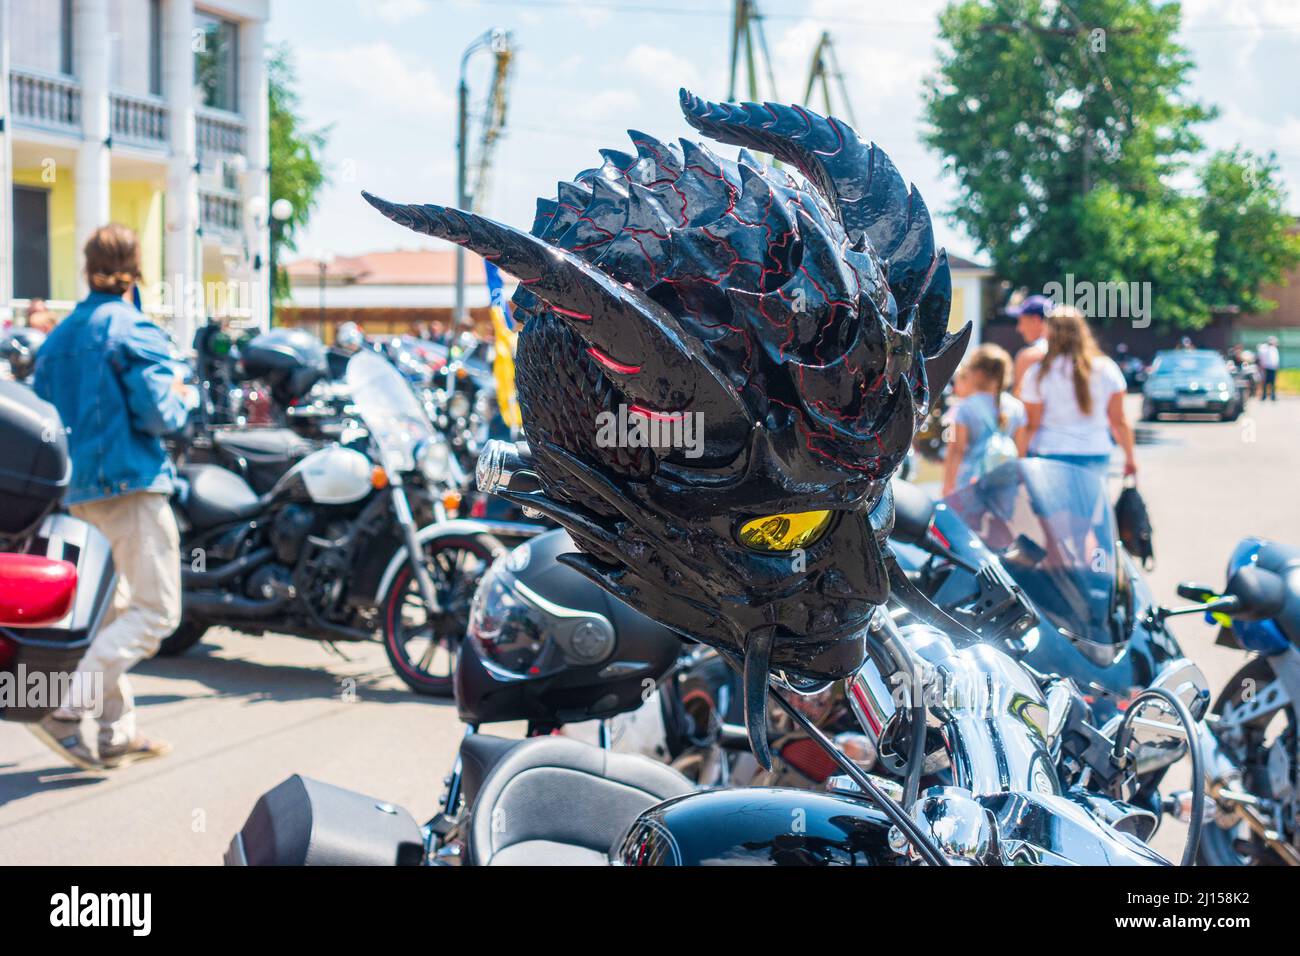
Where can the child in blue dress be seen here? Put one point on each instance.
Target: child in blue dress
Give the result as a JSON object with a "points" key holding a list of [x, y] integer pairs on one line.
{"points": [[988, 422]]}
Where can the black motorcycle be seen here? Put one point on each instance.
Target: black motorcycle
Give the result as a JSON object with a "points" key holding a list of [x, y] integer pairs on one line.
{"points": [[326, 552], [560, 658]]}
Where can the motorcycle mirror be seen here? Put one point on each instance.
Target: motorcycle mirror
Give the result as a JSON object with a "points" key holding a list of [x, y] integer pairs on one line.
{"points": [[1228, 604]]}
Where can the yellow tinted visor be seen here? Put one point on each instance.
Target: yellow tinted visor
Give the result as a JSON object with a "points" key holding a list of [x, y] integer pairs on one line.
{"points": [[784, 532]]}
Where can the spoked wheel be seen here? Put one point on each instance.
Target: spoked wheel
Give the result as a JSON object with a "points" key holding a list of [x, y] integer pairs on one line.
{"points": [[1238, 845], [422, 647]]}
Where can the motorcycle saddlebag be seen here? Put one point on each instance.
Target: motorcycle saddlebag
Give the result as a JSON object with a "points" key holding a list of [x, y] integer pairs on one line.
{"points": [[303, 822], [41, 660]]}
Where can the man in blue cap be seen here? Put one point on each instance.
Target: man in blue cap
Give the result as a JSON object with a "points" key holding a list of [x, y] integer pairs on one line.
{"points": [[1031, 322]]}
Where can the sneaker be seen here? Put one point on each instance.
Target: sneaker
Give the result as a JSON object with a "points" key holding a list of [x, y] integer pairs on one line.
{"points": [[64, 738], [141, 748]]}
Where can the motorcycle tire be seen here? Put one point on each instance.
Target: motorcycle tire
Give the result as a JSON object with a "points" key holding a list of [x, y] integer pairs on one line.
{"points": [[182, 639], [456, 585], [1218, 845]]}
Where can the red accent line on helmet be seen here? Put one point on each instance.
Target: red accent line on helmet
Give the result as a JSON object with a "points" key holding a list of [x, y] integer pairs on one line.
{"points": [[656, 416], [611, 364], [580, 316]]}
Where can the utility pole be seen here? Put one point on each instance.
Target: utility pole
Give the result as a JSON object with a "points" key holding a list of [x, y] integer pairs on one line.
{"points": [[747, 32], [826, 67]]}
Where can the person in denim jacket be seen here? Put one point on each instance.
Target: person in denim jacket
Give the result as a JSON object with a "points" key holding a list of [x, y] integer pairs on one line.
{"points": [[106, 369]]}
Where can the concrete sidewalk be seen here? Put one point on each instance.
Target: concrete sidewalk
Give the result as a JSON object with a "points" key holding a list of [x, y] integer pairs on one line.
{"points": [[243, 713]]}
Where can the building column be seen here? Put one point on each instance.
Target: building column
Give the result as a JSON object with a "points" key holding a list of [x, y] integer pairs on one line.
{"points": [[256, 186], [182, 261], [6, 176], [94, 159]]}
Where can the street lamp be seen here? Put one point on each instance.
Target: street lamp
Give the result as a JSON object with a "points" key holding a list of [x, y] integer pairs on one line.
{"points": [[281, 212], [492, 40]]}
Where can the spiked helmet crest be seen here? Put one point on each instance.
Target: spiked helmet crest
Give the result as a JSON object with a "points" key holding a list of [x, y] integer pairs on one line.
{"points": [[801, 323]]}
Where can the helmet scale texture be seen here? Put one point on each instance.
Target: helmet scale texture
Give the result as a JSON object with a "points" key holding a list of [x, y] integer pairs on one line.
{"points": [[799, 325]]}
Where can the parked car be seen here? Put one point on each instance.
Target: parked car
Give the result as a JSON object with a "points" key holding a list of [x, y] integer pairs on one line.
{"points": [[1191, 382]]}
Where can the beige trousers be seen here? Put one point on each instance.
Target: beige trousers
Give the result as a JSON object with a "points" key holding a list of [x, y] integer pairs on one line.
{"points": [[146, 607]]}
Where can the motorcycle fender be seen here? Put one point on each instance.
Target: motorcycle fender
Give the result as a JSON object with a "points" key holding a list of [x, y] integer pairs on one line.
{"points": [[456, 528]]}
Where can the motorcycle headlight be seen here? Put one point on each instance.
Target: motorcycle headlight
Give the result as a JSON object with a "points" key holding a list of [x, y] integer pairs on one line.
{"points": [[458, 405], [431, 458]]}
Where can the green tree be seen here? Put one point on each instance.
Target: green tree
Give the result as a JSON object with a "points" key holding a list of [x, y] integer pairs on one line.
{"points": [[1243, 205], [1062, 122], [297, 171]]}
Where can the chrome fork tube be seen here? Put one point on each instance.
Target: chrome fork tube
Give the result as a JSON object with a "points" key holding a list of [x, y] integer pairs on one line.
{"points": [[406, 521]]}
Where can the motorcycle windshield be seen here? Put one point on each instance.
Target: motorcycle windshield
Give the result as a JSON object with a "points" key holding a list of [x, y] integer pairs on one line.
{"points": [[1052, 526], [390, 409]]}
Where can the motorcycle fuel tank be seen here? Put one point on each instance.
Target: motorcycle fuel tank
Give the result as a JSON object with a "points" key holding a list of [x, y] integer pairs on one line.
{"points": [[331, 476], [758, 826]]}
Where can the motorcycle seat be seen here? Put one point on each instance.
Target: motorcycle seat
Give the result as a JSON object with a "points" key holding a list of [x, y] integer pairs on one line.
{"points": [[211, 495], [913, 509], [556, 801], [478, 755], [260, 456], [262, 445]]}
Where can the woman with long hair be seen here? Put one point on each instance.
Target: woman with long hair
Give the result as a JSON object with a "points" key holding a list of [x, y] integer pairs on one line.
{"points": [[1074, 399]]}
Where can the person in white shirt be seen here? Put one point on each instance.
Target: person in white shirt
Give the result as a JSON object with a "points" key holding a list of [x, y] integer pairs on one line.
{"points": [[1074, 399], [1269, 359]]}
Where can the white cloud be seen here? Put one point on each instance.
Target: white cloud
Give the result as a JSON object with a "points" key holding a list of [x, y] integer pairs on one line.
{"points": [[660, 68], [608, 104], [376, 76]]}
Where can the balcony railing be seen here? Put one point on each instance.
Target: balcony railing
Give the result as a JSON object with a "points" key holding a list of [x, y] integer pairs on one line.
{"points": [[220, 214], [45, 100], [218, 134], [141, 120]]}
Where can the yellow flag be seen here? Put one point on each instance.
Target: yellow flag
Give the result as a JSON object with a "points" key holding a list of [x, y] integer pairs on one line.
{"points": [[503, 368]]}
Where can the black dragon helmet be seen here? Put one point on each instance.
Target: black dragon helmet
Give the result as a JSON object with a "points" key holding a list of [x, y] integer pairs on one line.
{"points": [[796, 329]]}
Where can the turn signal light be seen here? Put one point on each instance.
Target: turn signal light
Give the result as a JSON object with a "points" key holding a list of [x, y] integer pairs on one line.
{"points": [[451, 501], [378, 478]]}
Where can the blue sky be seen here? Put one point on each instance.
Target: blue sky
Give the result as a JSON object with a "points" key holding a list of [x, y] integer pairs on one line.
{"points": [[383, 73]]}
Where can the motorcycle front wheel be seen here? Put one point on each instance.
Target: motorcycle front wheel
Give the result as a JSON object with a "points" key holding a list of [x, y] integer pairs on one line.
{"points": [[422, 647], [1238, 846]]}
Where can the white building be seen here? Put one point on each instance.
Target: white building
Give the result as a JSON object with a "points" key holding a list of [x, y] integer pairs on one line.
{"points": [[152, 113]]}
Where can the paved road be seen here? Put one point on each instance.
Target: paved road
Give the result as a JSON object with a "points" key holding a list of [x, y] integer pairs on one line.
{"points": [[245, 712]]}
